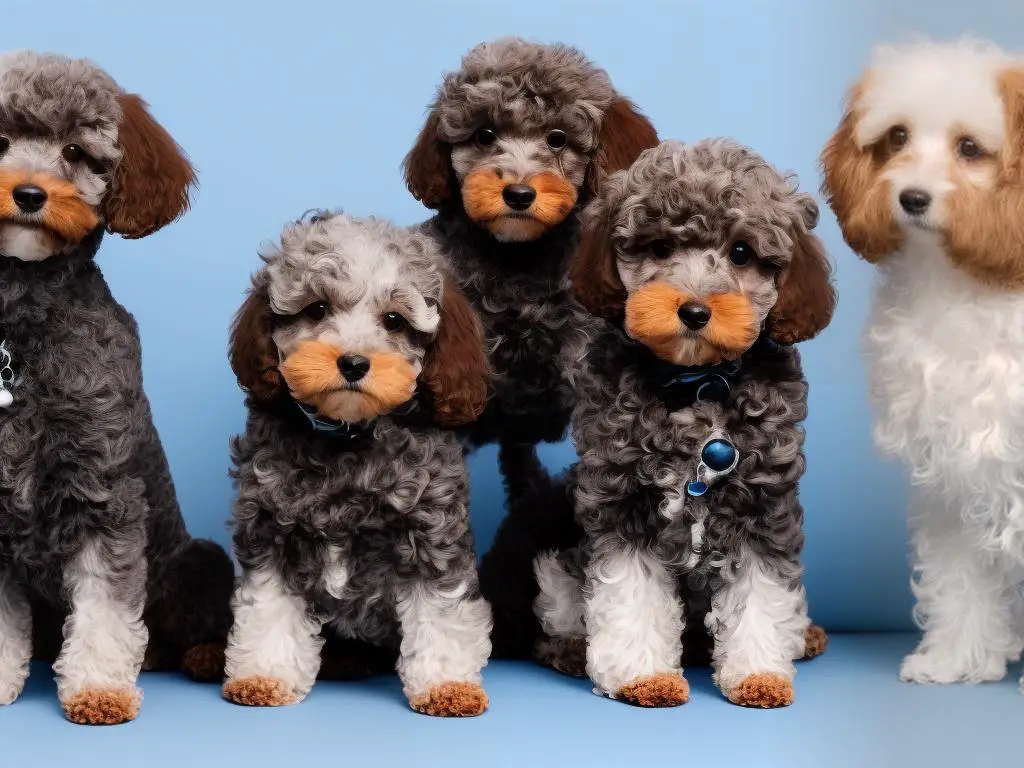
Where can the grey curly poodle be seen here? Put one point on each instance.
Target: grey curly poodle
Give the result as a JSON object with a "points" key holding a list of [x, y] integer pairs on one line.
{"points": [[91, 537]]}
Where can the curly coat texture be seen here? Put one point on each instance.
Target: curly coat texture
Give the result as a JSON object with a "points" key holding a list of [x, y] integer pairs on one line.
{"points": [[92, 540]]}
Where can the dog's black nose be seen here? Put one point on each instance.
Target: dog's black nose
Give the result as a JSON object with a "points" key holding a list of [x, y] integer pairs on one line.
{"points": [[353, 367], [519, 197], [694, 315], [29, 198], [915, 201]]}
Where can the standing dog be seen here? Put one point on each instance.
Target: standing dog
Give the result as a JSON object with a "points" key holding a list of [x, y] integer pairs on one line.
{"points": [[89, 523], [926, 176]]}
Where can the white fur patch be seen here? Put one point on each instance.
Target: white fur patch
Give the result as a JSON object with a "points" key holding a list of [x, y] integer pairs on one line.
{"points": [[25, 243], [274, 634], [104, 638], [758, 623], [559, 604], [634, 620], [336, 573], [446, 638], [15, 640]]}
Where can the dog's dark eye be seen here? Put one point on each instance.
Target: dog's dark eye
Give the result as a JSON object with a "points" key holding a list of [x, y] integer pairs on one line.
{"points": [[484, 137], [741, 253], [898, 138], [5, 144], [73, 153], [661, 249], [557, 139], [392, 321], [969, 149], [316, 311]]}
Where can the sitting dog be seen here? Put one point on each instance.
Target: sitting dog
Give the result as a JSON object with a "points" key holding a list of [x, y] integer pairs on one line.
{"points": [[89, 523], [702, 260], [926, 176], [516, 142], [351, 517]]}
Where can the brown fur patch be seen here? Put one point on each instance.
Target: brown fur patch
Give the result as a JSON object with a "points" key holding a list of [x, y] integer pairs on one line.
{"points": [[764, 691], [816, 640], [103, 706], [666, 690], [556, 197], [428, 166], [859, 198], [594, 274], [252, 351], [204, 662], [65, 214], [733, 327], [806, 299], [151, 185], [259, 692], [452, 700], [986, 226], [484, 204], [625, 133], [481, 195]]}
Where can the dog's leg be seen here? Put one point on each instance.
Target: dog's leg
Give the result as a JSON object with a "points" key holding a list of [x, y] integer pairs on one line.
{"points": [[634, 622], [964, 603], [445, 644], [104, 635], [559, 607], [759, 623], [15, 639], [273, 651]]}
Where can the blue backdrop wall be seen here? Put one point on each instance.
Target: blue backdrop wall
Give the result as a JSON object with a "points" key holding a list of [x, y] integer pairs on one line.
{"points": [[313, 103]]}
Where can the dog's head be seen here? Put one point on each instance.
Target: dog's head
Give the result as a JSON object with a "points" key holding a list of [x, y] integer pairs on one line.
{"points": [[520, 134], [349, 314], [700, 247], [75, 152], [931, 145]]}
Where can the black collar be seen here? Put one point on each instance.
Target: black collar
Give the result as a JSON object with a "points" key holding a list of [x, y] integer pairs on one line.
{"points": [[346, 430]]}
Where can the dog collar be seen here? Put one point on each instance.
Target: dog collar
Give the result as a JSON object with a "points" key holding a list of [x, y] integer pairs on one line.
{"points": [[7, 375], [696, 383], [343, 430]]}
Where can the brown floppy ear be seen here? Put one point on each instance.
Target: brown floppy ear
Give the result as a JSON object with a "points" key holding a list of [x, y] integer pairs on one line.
{"points": [[625, 133], [456, 370], [151, 184], [252, 352], [806, 297], [852, 188], [428, 166], [595, 277]]}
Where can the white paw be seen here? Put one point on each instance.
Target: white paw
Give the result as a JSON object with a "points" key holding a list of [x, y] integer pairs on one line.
{"points": [[942, 668], [10, 691]]}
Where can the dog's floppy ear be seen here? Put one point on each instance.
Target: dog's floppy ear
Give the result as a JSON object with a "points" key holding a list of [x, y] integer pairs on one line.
{"points": [[151, 184], [456, 370], [253, 354], [851, 187], [595, 277], [625, 133], [806, 297], [428, 166]]}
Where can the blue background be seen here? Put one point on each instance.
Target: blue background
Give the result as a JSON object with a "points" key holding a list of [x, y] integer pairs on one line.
{"points": [[313, 103]]}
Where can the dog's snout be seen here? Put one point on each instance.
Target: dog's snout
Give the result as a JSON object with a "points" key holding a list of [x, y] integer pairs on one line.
{"points": [[353, 367], [29, 197], [694, 315], [519, 197], [915, 201]]}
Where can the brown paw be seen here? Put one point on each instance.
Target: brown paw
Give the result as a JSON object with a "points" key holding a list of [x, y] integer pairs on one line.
{"points": [[103, 706], [567, 655], [259, 692], [817, 641], [452, 700], [665, 690], [204, 663], [765, 691]]}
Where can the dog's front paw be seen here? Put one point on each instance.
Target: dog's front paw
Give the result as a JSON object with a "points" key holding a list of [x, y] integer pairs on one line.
{"points": [[452, 700], [767, 691], [204, 662], [567, 655], [664, 690], [816, 641], [258, 691], [103, 706], [9, 692], [933, 667]]}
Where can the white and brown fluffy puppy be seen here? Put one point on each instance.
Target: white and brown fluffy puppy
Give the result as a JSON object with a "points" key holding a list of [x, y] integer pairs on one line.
{"points": [[351, 519], [926, 176]]}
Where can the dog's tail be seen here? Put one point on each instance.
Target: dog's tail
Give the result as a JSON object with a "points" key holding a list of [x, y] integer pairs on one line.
{"points": [[540, 519]]}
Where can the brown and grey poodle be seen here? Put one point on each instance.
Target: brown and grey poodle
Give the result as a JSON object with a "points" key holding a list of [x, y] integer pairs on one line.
{"points": [[91, 536]]}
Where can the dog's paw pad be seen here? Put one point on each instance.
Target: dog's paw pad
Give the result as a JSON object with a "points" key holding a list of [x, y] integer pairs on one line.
{"points": [[103, 706], [816, 640], [452, 700], [204, 662], [765, 691], [259, 691], [665, 690]]}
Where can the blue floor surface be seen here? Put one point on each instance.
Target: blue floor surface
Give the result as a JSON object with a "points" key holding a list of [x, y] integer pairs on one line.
{"points": [[850, 710]]}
